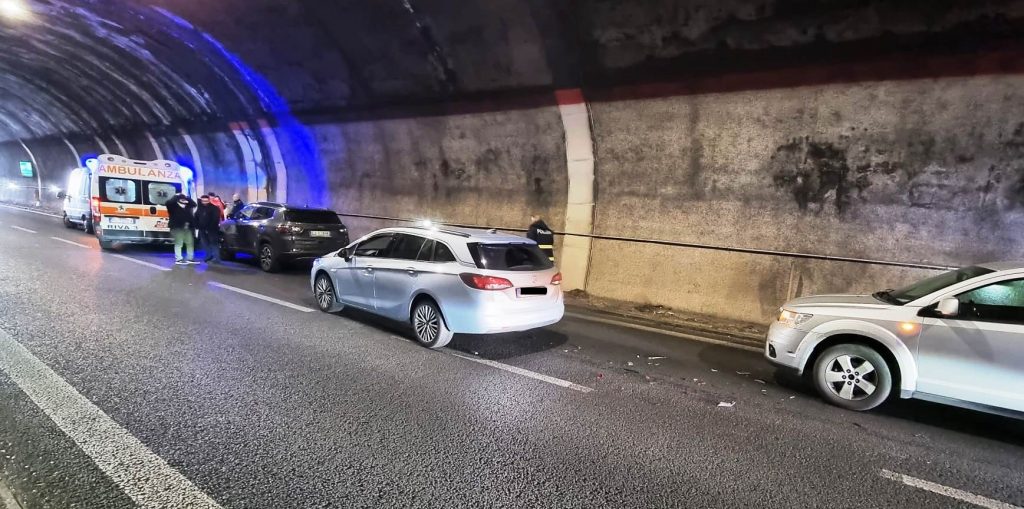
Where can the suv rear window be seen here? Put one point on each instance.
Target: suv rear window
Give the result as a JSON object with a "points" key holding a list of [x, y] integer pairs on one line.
{"points": [[509, 257], [311, 216]]}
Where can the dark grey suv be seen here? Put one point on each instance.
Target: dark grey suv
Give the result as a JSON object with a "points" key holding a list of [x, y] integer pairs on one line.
{"points": [[276, 234]]}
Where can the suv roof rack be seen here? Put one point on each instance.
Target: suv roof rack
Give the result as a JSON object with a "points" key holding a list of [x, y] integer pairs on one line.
{"points": [[443, 230]]}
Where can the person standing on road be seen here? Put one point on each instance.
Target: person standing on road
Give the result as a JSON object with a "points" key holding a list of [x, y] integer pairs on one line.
{"points": [[217, 202], [236, 207], [207, 219], [542, 235], [181, 221]]}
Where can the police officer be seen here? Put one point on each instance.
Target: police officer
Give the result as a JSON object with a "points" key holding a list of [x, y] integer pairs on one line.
{"points": [[542, 235]]}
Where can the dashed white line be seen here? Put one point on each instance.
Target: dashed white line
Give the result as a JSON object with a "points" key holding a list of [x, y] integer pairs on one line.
{"points": [[527, 373], [262, 297], [26, 230], [946, 491], [58, 239], [691, 337], [140, 262], [141, 474]]}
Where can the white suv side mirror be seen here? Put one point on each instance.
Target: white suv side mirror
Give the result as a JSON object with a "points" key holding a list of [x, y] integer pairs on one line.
{"points": [[948, 307]]}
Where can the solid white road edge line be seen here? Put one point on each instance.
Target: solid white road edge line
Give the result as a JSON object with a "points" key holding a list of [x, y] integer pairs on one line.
{"points": [[525, 372], [26, 230], [946, 491], [70, 242], [140, 262], [141, 474], [25, 209], [665, 332], [262, 297]]}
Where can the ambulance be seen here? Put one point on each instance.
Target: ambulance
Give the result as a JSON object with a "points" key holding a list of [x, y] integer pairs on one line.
{"points": [[122, 200]]}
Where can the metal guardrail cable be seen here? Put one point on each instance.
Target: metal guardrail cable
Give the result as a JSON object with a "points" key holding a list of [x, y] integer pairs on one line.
{"points": [[691, 245]]}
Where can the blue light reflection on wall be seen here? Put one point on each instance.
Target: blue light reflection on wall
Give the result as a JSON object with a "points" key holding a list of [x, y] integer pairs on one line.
{"points": [[296, 141]]}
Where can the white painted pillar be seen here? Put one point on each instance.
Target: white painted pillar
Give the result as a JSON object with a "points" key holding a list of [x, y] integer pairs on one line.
{"points": [[78, 157], [579, 210], [39, 174], [280, 171], [196, 161], [248, 159], [103, 146], [156, 146], [120, 146]]}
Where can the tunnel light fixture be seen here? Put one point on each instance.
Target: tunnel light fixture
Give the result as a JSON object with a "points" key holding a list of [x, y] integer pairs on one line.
{"points": [[16, 10]]}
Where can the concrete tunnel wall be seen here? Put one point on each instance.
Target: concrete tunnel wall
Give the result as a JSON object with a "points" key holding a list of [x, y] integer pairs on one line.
{"points": [[887, 166]]}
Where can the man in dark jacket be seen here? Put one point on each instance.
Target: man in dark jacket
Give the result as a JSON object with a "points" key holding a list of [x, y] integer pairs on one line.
{"points": [[181, 222], [236, 207], [542, 235], [208, 223]]}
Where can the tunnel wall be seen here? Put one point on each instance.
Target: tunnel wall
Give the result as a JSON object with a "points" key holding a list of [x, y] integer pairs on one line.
{"points": [[920, 171], [923, 171]]}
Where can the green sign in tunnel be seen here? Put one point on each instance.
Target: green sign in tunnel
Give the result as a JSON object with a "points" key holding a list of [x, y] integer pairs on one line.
{"points": [[26, 169]]}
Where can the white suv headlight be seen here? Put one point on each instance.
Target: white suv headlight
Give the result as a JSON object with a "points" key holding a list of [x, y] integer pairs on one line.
{"points": [[792, 318]]}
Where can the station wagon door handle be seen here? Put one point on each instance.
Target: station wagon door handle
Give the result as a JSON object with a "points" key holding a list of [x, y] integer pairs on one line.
{"points": [[411, 271]]}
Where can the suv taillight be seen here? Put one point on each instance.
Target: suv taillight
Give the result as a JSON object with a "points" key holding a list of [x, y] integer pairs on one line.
{"points": [[289, 229], [481, 282], [556, 279]]}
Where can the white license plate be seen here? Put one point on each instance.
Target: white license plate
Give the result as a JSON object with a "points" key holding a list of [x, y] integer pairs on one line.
{"points": [[122, 220], [319, 234]]}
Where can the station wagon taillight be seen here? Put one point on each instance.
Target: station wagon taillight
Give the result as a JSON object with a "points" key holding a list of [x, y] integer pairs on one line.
{"points": [[481, 282], [556, 279]]}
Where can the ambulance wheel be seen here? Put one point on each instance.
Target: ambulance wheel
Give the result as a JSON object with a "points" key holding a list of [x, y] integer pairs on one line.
{"points": [[106, 245], [88, 226], [68, 223]]}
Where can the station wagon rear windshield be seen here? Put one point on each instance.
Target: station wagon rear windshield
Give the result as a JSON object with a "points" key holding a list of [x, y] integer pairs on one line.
{"points": [[932, 285], [509, 256], [312, 216]]}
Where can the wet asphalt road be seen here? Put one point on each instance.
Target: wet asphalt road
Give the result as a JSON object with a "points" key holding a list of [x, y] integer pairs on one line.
{"points": [[261, 405]]}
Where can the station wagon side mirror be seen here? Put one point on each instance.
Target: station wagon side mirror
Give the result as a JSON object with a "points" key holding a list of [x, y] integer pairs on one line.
{"points": [[345, 253], [948, 307]]}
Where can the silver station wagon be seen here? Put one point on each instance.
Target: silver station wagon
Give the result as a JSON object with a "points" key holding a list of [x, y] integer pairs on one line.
{"points": [[956, 338], [443, 281]]}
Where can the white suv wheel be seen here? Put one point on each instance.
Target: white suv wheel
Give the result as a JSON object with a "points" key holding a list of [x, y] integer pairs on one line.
{"points": [[852, 376]]}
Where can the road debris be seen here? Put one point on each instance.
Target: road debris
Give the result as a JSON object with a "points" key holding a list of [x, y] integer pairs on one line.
{"points": [[630, 363], [758, 380], [726, 404], [744, 373], [655, 357], [713, 370]]}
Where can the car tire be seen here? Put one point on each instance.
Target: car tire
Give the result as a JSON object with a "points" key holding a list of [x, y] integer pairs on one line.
{"points": [[68, 223], [852, 376], [324, 295], [106, 245], [428, 324], [267, 258]]}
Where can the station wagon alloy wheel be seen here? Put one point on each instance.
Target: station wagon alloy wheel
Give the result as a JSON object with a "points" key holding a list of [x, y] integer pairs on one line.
{"points": [[323, 290], [429, 326]]}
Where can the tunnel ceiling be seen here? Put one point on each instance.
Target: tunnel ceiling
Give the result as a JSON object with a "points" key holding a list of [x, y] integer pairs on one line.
{"points": [[91, 66]]}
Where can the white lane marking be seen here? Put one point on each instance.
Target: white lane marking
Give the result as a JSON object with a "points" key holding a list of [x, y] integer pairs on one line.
{"points": [[70, 242], [965, 496], [141, 474], [525, 372], [26, 209], [26, 230], [261, 297], [7, 498], [691, 337], [140, 262]]}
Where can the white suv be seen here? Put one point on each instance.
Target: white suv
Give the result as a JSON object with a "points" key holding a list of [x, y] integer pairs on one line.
{"points": [[956, 338], [443, 281]]}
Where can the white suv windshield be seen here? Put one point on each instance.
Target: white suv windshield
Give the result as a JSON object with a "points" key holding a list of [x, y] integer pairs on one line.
{"points": [[932, 284]]}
